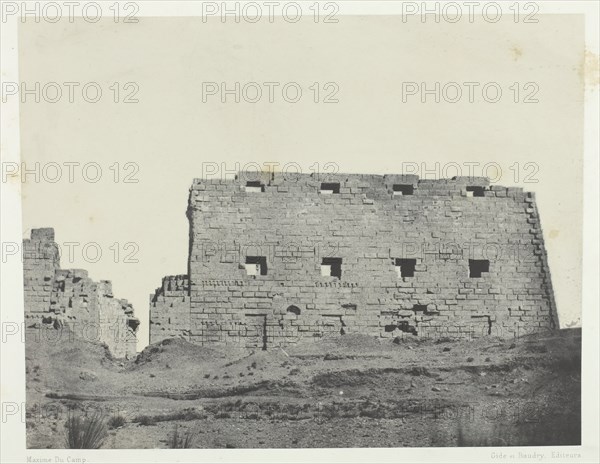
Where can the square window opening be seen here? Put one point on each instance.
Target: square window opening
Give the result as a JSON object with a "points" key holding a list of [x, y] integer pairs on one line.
{"points": [[474, 191], [331, 267], [403, 189], [255, 186], [478, 266], [256, 265], [328, 188], [405, 267]]}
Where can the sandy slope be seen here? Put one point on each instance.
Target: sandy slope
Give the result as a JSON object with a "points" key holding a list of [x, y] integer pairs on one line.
{"points": [[343, 392]]}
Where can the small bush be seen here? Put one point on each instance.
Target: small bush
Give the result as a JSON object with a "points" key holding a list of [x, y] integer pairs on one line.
{"points": [[145, 420], [372, 413], [116, 421], [85, 432], [187, 414], [184, 441]]}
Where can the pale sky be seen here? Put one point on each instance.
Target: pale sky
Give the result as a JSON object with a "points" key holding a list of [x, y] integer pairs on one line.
{"points": [[171, 132]]}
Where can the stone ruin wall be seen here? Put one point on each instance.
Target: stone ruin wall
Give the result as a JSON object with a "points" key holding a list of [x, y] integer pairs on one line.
{"points": [[170, 309], [58, 298], [440, 224]]}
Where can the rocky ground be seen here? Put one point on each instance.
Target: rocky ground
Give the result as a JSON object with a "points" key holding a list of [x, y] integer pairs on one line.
{"points": [[349, 391]]}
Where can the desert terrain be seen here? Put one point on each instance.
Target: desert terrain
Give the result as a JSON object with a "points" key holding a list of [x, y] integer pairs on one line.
{"points": [[343, 391]]}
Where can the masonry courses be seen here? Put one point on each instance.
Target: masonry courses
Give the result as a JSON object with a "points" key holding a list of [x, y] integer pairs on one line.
{"points": [[277, 259], [69, 300]]}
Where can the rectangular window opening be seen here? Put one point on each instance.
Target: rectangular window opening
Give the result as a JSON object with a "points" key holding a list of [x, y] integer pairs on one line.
{"points": [[474, 191], [328, 188], [405, 267], [478, 266], [403, 189], [256, 265], [255, 186], [331, 267]]}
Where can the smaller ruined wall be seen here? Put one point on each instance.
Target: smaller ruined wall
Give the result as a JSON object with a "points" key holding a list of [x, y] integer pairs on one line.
{"points": [[170, 309], [40, 261], [69, 298]]}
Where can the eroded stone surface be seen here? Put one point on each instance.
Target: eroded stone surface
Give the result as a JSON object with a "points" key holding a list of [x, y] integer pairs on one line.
{"points": [[429, 258], [68, 298]]}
